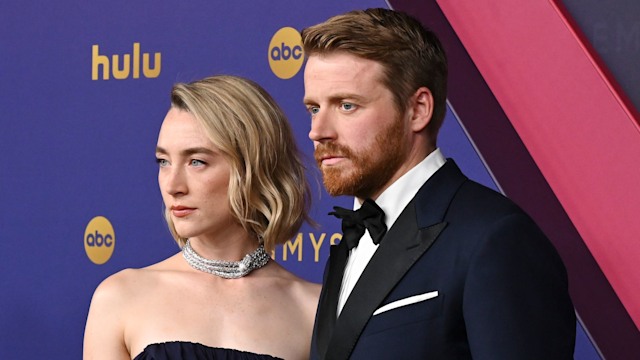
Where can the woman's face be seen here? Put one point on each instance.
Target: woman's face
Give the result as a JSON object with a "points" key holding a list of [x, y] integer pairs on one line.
{"points": [[193, 177]]}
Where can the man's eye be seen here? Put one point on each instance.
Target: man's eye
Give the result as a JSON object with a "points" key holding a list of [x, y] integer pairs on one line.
{"points": [[347, 106], [313, 110]]}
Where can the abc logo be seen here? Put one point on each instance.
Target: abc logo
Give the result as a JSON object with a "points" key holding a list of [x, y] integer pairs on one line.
{"points": [[99, 240], [285, 53]]}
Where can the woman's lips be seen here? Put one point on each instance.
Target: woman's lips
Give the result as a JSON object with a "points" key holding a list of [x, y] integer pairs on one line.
{"points": [[181, 211]]}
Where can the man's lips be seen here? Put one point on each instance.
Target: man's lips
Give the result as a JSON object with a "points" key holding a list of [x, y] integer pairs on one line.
{"points": [[181, 211], [325, 158], [331, 160]]}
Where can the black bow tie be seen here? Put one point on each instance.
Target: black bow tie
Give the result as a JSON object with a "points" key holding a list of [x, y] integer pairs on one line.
{"points": [[369, 216]]}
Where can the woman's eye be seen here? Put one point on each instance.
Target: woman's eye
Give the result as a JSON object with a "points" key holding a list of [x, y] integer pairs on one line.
{"points": [[162, 162], [195, 162]]}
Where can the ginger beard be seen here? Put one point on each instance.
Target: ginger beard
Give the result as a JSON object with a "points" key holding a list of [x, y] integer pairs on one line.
{"points": [[371, 169]]}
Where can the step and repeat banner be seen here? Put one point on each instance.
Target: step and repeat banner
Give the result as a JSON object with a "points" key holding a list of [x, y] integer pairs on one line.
{"points": [[84, 88]]}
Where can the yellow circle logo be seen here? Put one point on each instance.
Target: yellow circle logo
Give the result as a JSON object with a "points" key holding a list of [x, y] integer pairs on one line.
{"points": [[285, 53], [99, 240]]}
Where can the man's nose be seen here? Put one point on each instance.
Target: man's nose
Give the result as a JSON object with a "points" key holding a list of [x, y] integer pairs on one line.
{"points": [[322, 127]]}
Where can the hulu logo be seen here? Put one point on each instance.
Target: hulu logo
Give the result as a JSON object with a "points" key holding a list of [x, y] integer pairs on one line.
{"points": [[121, 69]]}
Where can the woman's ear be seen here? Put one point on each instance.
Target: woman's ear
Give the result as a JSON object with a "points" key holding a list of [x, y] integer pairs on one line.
{"points": [[421, 107]]}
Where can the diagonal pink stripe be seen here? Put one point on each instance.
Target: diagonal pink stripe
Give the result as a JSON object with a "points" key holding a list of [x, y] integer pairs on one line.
{"points": [[577, 128]]}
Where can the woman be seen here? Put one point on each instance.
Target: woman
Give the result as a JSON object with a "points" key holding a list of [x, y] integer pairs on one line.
{"points": [[233, 186]]}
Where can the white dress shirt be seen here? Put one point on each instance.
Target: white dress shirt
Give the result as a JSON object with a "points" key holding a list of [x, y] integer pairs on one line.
{"points": [[392, 201]]}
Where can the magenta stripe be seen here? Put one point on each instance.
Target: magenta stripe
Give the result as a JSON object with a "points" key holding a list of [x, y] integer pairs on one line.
{"points": [[495, 40]]}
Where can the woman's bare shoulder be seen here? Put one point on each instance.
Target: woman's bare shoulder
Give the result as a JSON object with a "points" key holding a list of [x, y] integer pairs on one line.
{"points": [[306, 290], [309, 289], [126, 283], [118, 302]]}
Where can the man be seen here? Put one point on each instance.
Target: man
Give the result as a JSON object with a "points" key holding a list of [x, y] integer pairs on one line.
{"points": [[462, 272]]}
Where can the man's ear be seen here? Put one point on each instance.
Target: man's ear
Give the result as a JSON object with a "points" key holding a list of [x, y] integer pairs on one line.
{"points": [[421, 107]]}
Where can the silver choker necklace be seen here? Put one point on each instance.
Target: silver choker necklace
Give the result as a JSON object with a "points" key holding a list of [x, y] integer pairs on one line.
{"points": [[226, 269]]}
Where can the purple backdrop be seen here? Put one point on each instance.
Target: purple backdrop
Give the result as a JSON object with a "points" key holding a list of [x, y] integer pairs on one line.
{"points": [[74, 148]]}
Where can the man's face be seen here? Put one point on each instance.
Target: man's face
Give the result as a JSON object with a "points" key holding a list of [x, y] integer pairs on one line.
{"points": [[360, 139]]}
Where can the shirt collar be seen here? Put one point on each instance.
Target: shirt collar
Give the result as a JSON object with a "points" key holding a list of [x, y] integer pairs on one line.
{"points": [[398, 195]]}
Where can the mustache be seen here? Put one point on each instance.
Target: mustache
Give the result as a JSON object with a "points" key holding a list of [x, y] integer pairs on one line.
{"points": [[331, 149]]}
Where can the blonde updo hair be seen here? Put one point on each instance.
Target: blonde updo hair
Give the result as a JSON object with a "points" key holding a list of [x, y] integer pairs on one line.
{"points": [[268, 191]]}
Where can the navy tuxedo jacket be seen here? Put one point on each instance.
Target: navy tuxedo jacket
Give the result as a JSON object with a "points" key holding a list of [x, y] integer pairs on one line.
{"points": [[463, 273]]}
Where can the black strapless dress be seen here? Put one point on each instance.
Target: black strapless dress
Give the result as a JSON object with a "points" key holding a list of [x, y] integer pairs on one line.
{"points": [[181, 350]]}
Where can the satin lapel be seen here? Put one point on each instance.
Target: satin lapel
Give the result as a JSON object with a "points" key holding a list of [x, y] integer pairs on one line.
{"points": [[402, 246], [329, 298]]}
